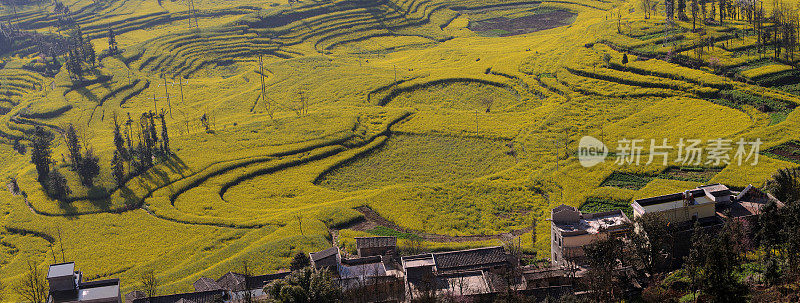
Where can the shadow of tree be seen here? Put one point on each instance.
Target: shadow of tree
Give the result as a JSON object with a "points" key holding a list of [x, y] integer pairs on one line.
{"points": [[176, 164], [99, 197], [68, 208], [131, 200]]}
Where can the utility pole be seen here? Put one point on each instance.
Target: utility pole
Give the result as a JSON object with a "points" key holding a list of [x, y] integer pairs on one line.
{"points": [[555, 147], [166, 93], [476, 122], [154, 98], [180, 84], [300, 222], [267, 105]]}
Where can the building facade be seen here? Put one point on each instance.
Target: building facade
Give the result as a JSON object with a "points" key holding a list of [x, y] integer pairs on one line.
{"points": [[571, 230]]}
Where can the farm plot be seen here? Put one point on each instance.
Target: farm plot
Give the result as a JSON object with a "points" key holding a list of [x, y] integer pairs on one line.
{"points": [[420, 159], [509, 26], [396, 106], [458, 94]]}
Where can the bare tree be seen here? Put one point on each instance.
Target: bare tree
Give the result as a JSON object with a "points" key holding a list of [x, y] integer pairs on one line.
{"points": [[487, 102], [149, 283], [646, 6], [695, 11], [247, 296], [34, 285]]}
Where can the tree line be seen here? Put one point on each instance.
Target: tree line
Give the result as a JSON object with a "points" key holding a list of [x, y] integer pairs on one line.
{"points": [[777, 30], [136, 150]]}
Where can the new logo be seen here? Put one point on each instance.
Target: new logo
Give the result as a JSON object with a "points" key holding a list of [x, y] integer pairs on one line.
{"points": [[591, 151]]}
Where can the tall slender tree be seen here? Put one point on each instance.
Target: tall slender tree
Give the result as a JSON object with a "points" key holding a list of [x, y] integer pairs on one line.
{"points": [[40, 155], [112, 42], [164, 134], [57, 186], [119, 141], [118, 169], [89, 168], [73, 147]]}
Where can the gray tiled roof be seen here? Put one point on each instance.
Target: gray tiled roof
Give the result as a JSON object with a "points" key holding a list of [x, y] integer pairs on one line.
{"points": [[232, 281], [196, 297], [204, 284], [470, 257], [324, 254], [373, 242]]}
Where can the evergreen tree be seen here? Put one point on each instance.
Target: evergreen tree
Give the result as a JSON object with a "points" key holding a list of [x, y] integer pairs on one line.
{"points": [[603, 257], [40, 155], [682, 10], [73, 147], [119, 141], [57, 185], [721, 260], [91, 55], [89, 168], [151, 126], [653, 242], [164, 135], [300, 261], [770, 225], [785, 184], [112, 42], [118, 169], [74, 66], [306, 285]]}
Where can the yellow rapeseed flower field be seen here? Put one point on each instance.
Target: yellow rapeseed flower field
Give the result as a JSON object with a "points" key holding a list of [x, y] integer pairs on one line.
{"points": [[448, 118]]}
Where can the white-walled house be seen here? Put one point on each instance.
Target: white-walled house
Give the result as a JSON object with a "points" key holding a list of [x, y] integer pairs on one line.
{"points": [[691, 205], [571, 230]]}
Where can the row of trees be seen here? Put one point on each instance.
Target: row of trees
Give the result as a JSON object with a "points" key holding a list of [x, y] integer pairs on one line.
{"points": [[82, 161], [778, 31], [137, 156]]}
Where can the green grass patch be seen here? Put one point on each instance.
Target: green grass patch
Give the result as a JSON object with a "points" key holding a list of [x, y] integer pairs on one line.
{"points": [[388, 232], [778, 117], [696, 174], [594, 205], [627, 181]]}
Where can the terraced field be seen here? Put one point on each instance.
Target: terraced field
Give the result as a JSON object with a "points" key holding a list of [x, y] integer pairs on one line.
{"points": [[454, 121]]}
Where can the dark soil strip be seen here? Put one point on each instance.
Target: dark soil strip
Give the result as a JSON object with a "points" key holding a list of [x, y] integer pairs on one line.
{"points": [[524, 25], [788, 151]]}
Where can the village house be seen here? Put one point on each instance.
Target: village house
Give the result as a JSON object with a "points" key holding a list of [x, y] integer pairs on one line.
{"points": [[67, 285], [697, 204], [470, 272], [211, 296], [376, 246], [326, 259], [571, 230], [709, 205], [370, 279]]}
